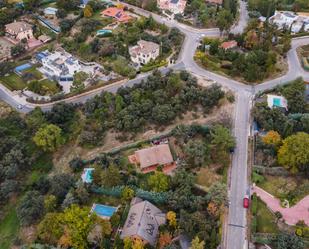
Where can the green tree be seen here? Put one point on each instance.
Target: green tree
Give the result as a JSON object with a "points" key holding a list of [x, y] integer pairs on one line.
{"points": [[294, 152], [295, 95], [197, 243], [288, 241], [50, 203], [127, 194], [30, 208], [224, 20], [18, 50], [50, 228], [111, 177], [48, 137], [158, 182], [78, 223], [78, 82], [217, 193], [197, 152], [88, 11]]}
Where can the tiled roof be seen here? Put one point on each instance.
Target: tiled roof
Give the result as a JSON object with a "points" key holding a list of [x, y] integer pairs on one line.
{"points": [[17, 27], [229, 44]]}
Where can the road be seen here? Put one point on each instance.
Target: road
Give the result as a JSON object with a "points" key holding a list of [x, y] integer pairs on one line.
{"points": [[237, 224]]}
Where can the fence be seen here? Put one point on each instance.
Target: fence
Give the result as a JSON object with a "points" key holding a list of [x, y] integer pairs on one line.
{"points": [[274, 171]]}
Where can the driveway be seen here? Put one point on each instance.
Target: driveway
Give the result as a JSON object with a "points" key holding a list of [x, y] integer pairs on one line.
{"points": [[292, 215]]}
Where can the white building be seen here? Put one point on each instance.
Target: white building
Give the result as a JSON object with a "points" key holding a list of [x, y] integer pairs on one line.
{"points": [[174, 6], [144, 52], [290, 20]]}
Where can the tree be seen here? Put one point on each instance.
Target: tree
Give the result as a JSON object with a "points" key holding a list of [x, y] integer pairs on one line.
{"points": [[295, 95], [288, 241], [197, 152], [78, 223], [50, 203], [294, 153], [165, 239], [224, 20], [171, 217], [48, 137], [138, 244], [35, 119], [68, 4], [272, 138], [127, 194], [78, 81], [6, 67], [111, 177], [18, 50], [197, 244], [30, 208], [158, 182], [50, 228], [60, 185], [217, 193], [88, 11]]}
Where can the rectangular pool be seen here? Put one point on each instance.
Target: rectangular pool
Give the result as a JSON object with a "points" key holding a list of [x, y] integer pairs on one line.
{"points": [[103, 211]]}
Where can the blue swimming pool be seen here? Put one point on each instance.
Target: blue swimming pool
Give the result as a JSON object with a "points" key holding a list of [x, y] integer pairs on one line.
{"points": [[23, 67], [103, 210], [277, 102], [87, 175], [104, 32]]}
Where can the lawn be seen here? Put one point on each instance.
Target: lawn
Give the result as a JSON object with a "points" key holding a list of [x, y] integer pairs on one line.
{"points": [[266, 220], [50, 85], [8, 228], [13, 82], [206, 177], [37, 74]]}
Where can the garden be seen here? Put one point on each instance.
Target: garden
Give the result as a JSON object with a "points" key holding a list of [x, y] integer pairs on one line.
{"points": [[280, 157], [257, 55]]}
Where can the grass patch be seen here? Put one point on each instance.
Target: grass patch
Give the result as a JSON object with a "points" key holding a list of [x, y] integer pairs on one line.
{"points": [[50, 85], [206, 177], [8, 228], [266, 220], [13, 82], [37, 74]]}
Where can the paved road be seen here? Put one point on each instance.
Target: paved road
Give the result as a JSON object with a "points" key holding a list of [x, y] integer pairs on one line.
{"points": [[236, 232], [243, 19]]}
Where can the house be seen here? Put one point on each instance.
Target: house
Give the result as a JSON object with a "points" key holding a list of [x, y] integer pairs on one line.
{"points": [[277, 101], [117, 13], [144, 52], [83, 3], [289, 20], [174, 6], [229, 45], [149, 159], [215, 2], [19, 31], [143, 222], [50, 12], [44, 38], [283, 19]]}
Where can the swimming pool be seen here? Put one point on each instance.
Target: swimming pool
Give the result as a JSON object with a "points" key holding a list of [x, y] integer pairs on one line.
{"points": [[277, 102], [103, 211], [23, 67], [87, 175], [104, 32]]}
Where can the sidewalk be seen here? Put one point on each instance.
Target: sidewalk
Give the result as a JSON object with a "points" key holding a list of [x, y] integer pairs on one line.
{"points": [[291, 215]]}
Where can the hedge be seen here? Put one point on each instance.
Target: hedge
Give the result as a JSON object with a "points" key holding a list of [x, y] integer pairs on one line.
{"points": [[158, 198], [147, 68], [254, 204]]}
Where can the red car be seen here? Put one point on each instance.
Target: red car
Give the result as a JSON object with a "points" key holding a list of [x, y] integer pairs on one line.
{"points": [[246, 202]]}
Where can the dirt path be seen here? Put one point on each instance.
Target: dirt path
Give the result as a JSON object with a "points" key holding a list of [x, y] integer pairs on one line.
{"points": [[291, 215]]}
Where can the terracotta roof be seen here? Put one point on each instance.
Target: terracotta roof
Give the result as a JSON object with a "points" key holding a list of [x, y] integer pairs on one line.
{"points": [[156, 155], [117, 13], [17, 27], [143, 220], [229, 44]]}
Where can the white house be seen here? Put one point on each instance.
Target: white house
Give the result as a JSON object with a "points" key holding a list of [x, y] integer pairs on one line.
{"points": [[19, 31], [289, 20], [174, 6], [50, 11], [144, 52]]}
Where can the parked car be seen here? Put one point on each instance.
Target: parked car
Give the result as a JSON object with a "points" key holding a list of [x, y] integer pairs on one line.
{"points": [[246, 202]]}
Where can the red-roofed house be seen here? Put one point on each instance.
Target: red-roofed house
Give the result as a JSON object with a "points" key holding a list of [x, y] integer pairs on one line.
{"points": [[229, 45], [119, 14], [150, 158]]}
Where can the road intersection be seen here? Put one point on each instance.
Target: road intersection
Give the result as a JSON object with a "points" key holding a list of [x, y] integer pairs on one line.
{"points": [[236, 233]]}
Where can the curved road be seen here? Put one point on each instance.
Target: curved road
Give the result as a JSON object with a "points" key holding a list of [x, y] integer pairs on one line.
{"points": [[236, 231]]}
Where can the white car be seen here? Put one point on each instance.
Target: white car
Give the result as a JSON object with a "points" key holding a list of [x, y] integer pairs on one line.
{"points": [[19, 107]]}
